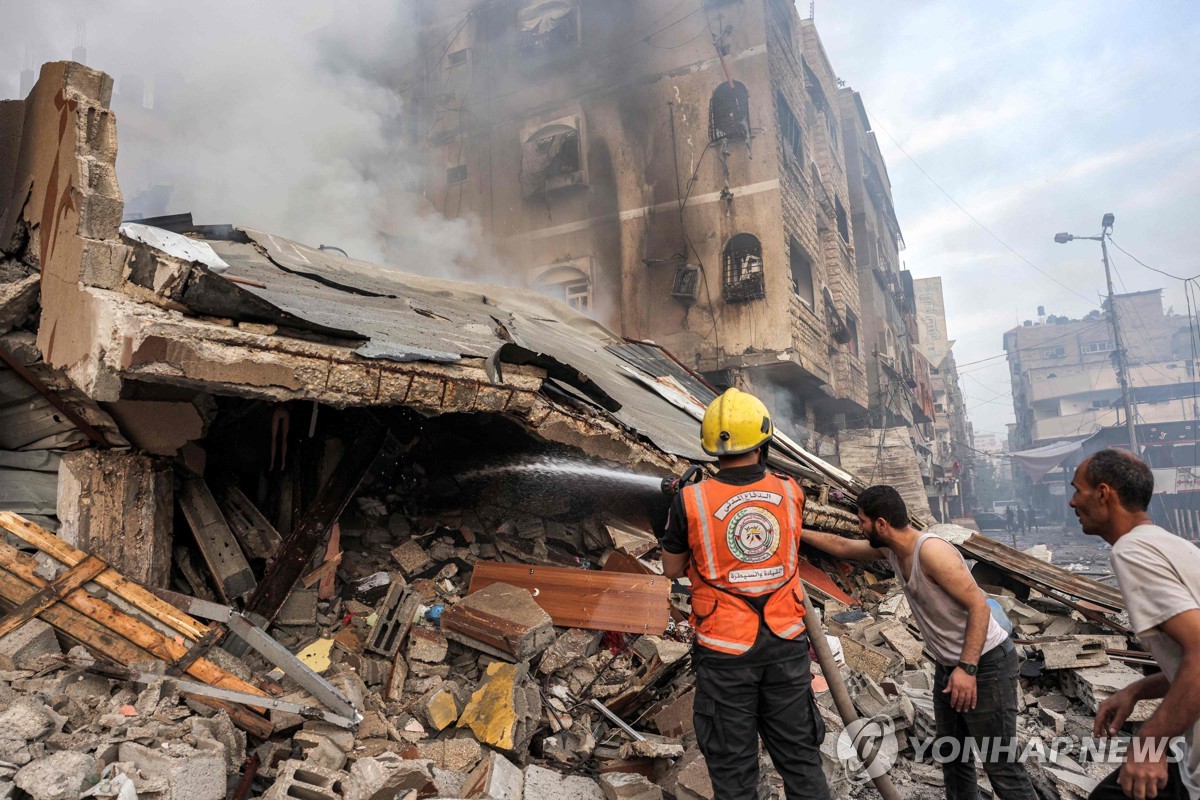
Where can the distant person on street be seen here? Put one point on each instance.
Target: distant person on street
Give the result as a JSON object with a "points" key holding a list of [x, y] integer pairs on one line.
{"points": [[975, 683], [1159, 576], [1022, 520], [1032, 517], [1010, 519]]}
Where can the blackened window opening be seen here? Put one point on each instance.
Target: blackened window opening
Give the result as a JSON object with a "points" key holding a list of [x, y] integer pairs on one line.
{"points": [[789, 128], [802, 273], [456, 174], [843, 224], [547, 158], [729, 112], [742, 276]]}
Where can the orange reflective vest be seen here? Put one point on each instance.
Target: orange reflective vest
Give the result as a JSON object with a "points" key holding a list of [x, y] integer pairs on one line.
{"points": [[745, 542]]}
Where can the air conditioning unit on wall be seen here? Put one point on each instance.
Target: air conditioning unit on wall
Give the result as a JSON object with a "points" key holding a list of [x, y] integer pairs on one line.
{"points": [[686, 284]]}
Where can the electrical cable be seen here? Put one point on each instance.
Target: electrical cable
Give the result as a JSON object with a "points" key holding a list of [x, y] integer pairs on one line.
{"points": [[969, 215], [1039, 346]]}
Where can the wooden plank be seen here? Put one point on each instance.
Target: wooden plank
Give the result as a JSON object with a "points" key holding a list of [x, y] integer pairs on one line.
{"points": [[621, 562], [149, 640], [220, 549], [327, 568], [592, 599], [73, 578], [90, 633], [815, 578], [333, 553], [110, 579], [192, 574], [302, 544], [252, 529]]}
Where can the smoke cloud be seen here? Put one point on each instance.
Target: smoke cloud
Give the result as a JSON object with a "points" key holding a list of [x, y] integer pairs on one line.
{"points": [[281, 117]]}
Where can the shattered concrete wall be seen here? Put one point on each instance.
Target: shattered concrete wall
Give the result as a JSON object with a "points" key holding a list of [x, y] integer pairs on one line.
{"points": [[64, 208]]}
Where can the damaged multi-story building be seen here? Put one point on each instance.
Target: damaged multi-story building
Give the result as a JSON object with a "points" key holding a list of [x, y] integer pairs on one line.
{"points": [[683, 175], [1066, 395], [950, 484]]}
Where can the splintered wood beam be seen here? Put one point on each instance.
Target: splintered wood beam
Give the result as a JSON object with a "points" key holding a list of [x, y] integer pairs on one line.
{"points": [[146, 638], [110, 579], [220, 549], [298, 549], [109, 632], [582, 598], [73, 578], [54, 399]]}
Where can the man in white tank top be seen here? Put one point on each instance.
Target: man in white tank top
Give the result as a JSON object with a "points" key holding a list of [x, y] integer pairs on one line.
{"points": [[1159, 576], [975, 682]]}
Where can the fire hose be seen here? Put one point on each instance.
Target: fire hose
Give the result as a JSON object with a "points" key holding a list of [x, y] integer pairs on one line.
{"points": [[841, 697]]}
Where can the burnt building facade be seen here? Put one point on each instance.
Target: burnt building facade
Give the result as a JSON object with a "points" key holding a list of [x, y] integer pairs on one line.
{"points": [[678, 173]]}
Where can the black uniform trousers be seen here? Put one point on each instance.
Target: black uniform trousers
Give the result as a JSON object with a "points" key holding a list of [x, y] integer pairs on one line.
{"points": [[734, 706]]}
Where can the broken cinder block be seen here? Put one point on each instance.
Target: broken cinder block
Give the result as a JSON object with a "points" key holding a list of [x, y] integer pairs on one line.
{"points": [[23, 647], [495, 778], [394, 619]]}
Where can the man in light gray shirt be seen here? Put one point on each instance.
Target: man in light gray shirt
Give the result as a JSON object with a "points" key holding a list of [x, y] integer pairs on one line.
{"points": [[1159, 576]]}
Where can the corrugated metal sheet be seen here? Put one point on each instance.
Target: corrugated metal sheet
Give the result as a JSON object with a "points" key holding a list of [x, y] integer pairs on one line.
{"points": [[404, 317], [1033, 569]]}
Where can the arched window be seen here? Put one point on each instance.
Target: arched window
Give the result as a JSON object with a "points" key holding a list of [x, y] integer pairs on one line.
{"points": [[569, 284], [729, 112], [742, 269]]}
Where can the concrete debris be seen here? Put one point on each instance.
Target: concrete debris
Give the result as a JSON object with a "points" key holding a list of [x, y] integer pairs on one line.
{"points": [[495, 778], [545, 784], [24, 647], [59, 776], [502, 620], [629, 786]]}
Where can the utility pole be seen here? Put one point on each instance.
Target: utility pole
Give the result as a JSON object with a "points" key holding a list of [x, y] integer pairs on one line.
{"points": [[1119, 354]]}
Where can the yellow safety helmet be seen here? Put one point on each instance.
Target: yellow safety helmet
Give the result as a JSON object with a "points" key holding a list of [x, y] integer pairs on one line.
{"points": [[735, 423]]}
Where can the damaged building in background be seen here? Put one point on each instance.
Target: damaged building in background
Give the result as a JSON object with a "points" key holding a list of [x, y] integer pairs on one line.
{"points": [[279, 523], [687, 176]]}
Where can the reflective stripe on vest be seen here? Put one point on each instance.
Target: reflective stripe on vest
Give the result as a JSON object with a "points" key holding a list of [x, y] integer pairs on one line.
{"points": [[723, 645]]}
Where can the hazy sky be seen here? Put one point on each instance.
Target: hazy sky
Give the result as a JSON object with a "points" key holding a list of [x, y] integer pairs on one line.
{"points": [[1036, 117]]}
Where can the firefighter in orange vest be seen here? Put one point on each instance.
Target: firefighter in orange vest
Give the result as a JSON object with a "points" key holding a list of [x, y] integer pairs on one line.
{"points": [[737, 537]]}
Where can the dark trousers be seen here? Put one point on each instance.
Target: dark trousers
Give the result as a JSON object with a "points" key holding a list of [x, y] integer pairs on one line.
{"points": [[994, 717], [735, 706], [1110, 789]]}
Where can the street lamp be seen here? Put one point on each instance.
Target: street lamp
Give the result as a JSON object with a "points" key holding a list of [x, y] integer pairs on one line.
{"points": [[1106, 225]]}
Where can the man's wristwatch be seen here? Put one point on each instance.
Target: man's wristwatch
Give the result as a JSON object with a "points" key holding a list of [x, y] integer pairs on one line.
{"points": [[970, 669]]}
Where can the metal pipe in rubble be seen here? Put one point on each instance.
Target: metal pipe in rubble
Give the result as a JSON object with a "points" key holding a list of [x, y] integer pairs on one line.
{"points": [[841, 697]]}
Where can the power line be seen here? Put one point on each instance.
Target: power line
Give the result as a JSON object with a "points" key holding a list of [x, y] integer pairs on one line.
{"points": [[1147, 266], [969, 215], [1037, 346]]}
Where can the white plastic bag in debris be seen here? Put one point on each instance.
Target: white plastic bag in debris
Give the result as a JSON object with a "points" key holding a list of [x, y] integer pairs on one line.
{"points": [[835, 647]]}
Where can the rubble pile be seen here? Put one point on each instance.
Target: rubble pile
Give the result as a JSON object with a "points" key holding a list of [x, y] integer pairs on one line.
{"points": [[479, 694], [1067, 670]]}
